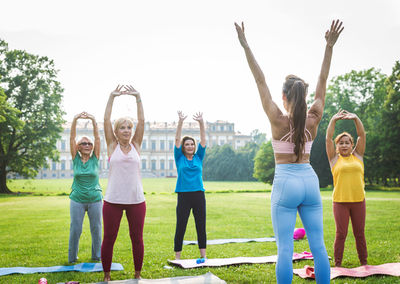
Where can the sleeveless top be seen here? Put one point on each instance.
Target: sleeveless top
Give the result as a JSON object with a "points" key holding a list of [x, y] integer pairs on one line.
{"points": [[348, 179], [124, 179], [286, 146], [86, 187]]}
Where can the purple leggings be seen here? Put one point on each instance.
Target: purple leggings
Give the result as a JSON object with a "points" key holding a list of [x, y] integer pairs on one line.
{"points": [[112, 214]]}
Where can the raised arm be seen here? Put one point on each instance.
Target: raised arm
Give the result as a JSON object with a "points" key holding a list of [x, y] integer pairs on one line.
{"points": [[271, 109], [331, 37], [111, 140], [138, 136], [179, 129], [72, 136], [96, 149], [330, 145], [361, 140], [199, 118]]}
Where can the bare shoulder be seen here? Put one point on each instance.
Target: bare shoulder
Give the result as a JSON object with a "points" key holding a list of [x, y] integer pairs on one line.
{"points": [[312, 123], [358, 156], [111, 148], [333, 161], [280, 126]]}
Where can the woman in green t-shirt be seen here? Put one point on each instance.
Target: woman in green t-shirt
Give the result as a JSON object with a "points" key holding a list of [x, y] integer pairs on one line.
{"points": [[86, 193]]}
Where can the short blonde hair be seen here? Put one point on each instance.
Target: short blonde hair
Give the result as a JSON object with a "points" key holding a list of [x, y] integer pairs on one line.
{"points": [[341, 135], [120, 121], [80, 138]]}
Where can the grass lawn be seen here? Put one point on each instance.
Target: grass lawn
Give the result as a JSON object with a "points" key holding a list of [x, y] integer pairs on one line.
{"points": [[35, 228]]}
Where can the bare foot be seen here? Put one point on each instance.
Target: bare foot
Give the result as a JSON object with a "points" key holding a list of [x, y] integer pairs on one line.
{"points": [[203, 253], [107, 276], [137, 275], [178, 255]]}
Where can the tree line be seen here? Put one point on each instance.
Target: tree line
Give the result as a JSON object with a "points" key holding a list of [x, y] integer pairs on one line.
{"points": [[31, 122], [375, 98]]}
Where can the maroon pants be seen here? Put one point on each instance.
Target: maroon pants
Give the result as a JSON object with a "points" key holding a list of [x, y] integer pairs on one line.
{"points": [[112, 214], [342, 212]]}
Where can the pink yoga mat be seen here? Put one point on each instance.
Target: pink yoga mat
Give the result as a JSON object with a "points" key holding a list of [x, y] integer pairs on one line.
{"points": [[392, 269]]}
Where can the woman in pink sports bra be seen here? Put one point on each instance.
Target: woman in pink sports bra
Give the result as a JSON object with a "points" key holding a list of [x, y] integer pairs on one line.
{"points": [[296, 187], [124, 189]]}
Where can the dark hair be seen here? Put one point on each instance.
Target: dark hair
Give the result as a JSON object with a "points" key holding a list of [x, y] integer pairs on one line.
{"points": [[184, 139], [295, 90]]}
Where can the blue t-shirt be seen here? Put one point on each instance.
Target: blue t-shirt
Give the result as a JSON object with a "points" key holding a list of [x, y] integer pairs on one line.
{"points": [[190, 172]]}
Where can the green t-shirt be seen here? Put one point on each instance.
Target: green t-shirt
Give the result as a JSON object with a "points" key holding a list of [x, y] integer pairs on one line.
{"points": [[86, 187]]}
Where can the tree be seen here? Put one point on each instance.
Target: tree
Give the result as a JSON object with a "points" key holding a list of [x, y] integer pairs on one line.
{"points": [[258, 137], [30, 115], [264, 163], [361, 92], [391, 129], [224, 163]]}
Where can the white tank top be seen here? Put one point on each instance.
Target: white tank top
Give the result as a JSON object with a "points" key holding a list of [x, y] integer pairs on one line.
{"points": [[124, 180]]}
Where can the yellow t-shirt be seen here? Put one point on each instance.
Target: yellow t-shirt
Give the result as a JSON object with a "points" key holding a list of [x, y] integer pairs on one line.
{"points": [[348, 179]]}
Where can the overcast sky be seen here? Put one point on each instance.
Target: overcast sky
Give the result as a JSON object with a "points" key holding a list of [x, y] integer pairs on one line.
{"points": [[184, 55]]}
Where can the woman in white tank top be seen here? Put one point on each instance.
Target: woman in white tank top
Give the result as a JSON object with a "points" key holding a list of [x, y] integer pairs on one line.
{"points": [[124, 190]]}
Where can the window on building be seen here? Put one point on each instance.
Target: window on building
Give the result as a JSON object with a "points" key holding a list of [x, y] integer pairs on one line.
{"points": [[162, 145], [63, 145], [222, 128], [71, 165], [162, 174], [63, 165], [171, 164], [54, 166], [171, 145], [144, 145], [153, 145], [162, 164], [221, 142], [153, 165], [144, 164]]}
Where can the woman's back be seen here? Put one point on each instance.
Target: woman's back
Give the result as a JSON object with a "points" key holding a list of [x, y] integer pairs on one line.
{"points": [[283, 128]]}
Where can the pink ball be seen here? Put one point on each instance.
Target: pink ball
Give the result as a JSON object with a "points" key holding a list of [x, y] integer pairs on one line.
{"points": [[299, 233]]}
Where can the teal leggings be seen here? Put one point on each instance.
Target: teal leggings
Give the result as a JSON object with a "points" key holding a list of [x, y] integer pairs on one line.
{"points": [[296, 189]]}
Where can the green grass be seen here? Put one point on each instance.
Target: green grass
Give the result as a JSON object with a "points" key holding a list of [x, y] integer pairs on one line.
{"points": [[150, 186], [35, 229]]}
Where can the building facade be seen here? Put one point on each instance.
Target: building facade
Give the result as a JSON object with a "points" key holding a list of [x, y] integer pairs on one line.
{"points": [[157, 152]]}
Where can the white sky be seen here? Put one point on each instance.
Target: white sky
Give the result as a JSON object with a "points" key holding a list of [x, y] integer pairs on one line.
{"points": [[184, 55]]}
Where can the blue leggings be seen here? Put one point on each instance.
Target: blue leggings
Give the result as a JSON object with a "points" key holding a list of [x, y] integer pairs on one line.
{"points": [[296, 188]]}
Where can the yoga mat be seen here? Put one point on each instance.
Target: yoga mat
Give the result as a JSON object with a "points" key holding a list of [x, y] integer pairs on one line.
{"points": [[81, 267], [207, 278], [228, 241], [216, 262], [392, 269]]}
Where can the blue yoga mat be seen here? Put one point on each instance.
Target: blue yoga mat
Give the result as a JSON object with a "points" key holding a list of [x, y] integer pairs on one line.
{"points": [[227, 241], [81, 267]]}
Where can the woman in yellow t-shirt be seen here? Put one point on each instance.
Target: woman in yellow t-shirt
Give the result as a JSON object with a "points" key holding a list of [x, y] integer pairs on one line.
{"points": [[347, 167]]}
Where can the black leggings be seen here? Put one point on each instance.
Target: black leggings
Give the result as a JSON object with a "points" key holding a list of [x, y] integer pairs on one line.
{"points": [[186, 201]]}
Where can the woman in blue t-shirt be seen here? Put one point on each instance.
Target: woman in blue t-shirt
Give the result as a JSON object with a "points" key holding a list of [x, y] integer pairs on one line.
{"points": [[189, 185], [86, 193]]}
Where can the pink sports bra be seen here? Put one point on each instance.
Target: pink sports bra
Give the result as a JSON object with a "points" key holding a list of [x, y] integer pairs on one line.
{"points": [[286, 146]]}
